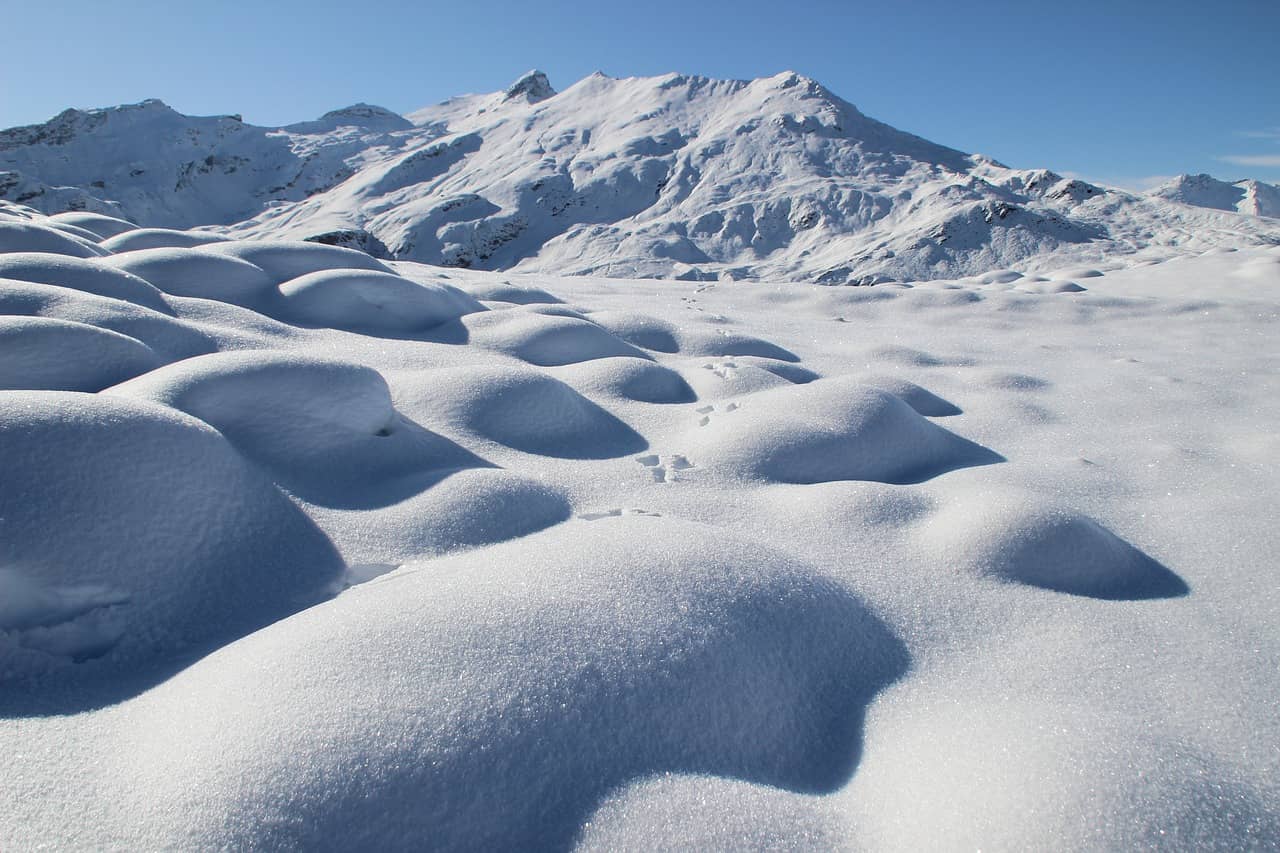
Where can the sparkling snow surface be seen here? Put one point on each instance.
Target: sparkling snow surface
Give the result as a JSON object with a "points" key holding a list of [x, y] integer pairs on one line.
{"points": [[304, 550]]}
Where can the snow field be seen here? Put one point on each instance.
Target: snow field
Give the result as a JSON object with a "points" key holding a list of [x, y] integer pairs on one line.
{"points": [[637, 565]]}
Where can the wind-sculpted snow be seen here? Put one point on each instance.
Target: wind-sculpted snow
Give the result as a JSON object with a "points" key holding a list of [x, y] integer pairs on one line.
{"points": [[466, 716], [833, 430], [674, 177], [304, 549], [183, 539], [371, 302], [55, 355]]}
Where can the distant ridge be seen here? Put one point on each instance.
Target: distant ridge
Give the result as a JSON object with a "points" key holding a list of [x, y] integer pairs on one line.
{"points": [[675, 176]]}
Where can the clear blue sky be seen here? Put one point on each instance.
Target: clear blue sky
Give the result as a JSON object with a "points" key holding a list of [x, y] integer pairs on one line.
{"points": [[1119, 91]]}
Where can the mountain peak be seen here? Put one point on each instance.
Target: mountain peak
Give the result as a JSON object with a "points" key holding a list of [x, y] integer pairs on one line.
{"points": [[533, 86]]}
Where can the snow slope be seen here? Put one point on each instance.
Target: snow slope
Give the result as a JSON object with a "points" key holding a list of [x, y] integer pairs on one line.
{"points": [[667, 177], [1252, 197], [304, 550]]}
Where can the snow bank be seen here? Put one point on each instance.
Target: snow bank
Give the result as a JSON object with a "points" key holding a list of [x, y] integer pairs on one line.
{"points": [[630, 379], [467, 508], [170, 338], [1024, 539], [100, 224], [184, 540], [140, 239], [83, 275], [489, 699], [205, 275], [371, 302], [325, 430], [31, 237], [831, 430], [520, 408], [286, 259], [56, 355], [545, 340]]}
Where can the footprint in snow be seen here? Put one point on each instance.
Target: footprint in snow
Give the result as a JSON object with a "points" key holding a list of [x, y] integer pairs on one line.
{"points": [[617, 512], [706, 411], [664, 468]]}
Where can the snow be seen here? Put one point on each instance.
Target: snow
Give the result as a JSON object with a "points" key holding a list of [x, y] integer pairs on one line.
{"points": [[1251, 197], [300, 548], [372, 302], [677, 176]]}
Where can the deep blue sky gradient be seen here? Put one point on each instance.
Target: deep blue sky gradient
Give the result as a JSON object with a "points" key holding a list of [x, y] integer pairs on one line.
{"points": [[1116, 91]]}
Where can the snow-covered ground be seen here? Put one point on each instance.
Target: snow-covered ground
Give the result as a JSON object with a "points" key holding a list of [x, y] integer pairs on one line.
{"points": [[678, 176], [304, 550]]}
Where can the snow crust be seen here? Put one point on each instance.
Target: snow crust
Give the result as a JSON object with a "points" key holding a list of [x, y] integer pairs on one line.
{"points": [[300, 548]]}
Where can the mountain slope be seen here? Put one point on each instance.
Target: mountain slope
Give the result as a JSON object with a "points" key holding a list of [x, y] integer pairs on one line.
{"points": [[1252, 197], [669, 177]]}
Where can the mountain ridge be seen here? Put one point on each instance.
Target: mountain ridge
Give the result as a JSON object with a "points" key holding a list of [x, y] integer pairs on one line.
{"points": [[677, 176]]}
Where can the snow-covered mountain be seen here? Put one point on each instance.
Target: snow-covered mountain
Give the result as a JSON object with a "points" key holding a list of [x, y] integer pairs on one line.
{"points": [[1253, 197], [673, 177]]}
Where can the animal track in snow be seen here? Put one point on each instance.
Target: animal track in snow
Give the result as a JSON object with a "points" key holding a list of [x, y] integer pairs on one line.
{"points": [[664, 468], [706, 411], [617, 512]]}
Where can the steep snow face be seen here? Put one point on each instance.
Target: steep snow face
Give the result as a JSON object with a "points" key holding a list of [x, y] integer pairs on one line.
{"points": [[1252, 197], [667, 177]]}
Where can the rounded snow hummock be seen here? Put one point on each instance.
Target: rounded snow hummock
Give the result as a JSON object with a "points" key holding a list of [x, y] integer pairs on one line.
{"points": [[639, 330], [831, 429], [325, 430], [205, 275], [88, 276], [141, 239], [100, 224], [520, 408], [1025, 539], [546, 340], [490, 699], [286, 259], [147, 521], [629, 378], [18, 236], [57, 355], [371, 302]]}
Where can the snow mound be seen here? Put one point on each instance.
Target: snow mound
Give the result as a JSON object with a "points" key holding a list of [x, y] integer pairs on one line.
{"points": [[287, 259], [630, 379], [57, 355], [829, 430], [325, 430], [520, 408], [512, 293], [468, 508], [545, 340], [153, 506], [639, 330], [672, 813], [170, 338], [921, 399], [159, 238], [1022, 539], [731, 377], [490, 699], [83, 275], [32, 237], [98, 223], [205, 275], [721, 342], [372, 302]]}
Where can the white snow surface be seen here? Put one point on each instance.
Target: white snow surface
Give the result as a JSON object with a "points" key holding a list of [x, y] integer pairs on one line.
{"points": [[300, 549], [774, 179]]}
